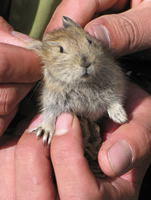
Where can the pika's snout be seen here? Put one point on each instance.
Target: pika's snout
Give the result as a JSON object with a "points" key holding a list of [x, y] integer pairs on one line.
{"points": [[85, 62]]}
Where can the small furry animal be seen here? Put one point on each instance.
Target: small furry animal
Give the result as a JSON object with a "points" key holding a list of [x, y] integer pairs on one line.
{"points": [[79, 76]]}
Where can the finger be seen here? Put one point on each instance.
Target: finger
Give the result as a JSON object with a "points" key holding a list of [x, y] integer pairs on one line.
{"points": [[71, 168], [5, 120], [83, 11], [126, 32], [130, 144], [18, 65], [11, 95], [7, 180], [33, 170]]}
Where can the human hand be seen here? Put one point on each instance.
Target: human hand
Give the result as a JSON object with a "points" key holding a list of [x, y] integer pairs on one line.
{"points": [[125, 165], [125, 32], [124, 155], [25, 166], [19, 70]]}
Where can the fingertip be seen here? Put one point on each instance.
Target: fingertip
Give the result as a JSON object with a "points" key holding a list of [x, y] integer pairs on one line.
{"points": [[116, 159], [64, 123], [67, 135], [100, 32], [125, 30], [21, 36], [105, 164]]}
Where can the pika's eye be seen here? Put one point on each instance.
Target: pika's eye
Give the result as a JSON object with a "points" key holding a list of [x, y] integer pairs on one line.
{"points": [[89, 41], [61, 49]]}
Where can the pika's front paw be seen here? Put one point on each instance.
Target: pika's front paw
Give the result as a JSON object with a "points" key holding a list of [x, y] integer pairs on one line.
{"points": [[44, 132], [117, 113]]}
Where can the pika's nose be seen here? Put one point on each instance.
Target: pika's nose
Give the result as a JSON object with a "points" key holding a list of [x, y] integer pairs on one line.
{"points": [[85, 62]]}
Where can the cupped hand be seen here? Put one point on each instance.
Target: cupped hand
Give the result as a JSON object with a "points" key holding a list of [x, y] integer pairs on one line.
{"points": [[124, 157], [19, 70], [125, 32]]}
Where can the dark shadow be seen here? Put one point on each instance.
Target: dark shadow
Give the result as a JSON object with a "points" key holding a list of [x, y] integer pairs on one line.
{"points": [[145, 192], [5, 8]]}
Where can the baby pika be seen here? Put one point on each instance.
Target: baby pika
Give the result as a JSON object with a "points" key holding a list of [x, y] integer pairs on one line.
{"points": [[79, 76]]}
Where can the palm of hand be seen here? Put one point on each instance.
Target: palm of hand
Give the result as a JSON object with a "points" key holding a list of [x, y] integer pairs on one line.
{"points": [[30, 161]]}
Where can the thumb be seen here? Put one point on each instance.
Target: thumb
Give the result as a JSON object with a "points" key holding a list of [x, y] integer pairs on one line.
{"points": [[126, 32], [124, 150], [129, 145]]}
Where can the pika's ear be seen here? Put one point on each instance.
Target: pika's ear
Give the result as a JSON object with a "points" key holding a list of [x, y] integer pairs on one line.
{"points": [[34, 45], [69, 22]]}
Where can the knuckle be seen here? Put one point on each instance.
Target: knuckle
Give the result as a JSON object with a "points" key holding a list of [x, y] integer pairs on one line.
{"points": [[130, 32], [5, 101], [2, 20], [4, 26]]}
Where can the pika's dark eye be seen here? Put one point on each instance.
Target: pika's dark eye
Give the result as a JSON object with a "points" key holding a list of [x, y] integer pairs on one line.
{"points": [[89, 41], [61, 49]]}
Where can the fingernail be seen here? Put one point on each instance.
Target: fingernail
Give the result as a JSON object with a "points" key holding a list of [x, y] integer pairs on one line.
{"points": [[101, 33], [120, 157], [63, 123], [21, 36]]}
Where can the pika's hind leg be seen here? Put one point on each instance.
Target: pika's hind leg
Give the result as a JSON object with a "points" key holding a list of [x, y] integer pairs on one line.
{"points": [[117, 113]]}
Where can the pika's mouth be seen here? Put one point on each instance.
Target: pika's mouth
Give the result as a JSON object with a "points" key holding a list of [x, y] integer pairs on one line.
{"points": [[85, 73]]}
